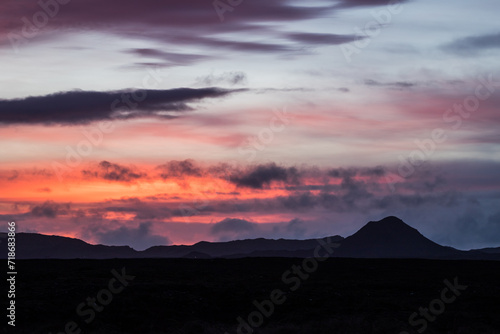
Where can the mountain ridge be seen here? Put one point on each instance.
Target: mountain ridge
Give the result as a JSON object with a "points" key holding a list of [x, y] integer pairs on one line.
{"points": [[389, 237]]}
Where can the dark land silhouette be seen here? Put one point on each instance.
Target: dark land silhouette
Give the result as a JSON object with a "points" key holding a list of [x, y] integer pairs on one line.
{"points": [[206, 296], [387, 238]]}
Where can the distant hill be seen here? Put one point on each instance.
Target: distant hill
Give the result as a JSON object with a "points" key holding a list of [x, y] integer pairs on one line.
{"points": [[391, 238], [387, 238], [489, 250], [39, 246], [240, 248]]}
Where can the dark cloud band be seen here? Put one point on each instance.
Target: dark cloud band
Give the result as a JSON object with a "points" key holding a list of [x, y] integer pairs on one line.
{"points": [[80, 107]]}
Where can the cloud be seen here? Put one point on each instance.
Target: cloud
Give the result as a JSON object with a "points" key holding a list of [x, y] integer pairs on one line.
{"points": [[492, 228], [342, 172], [282, 90], [299, 201], [49, 209], [230, 78], [366, 3], [168, 58], [114, 172], [180, 23], [81, 107], [180, 169], [233, 228], [15, 175], [473, 44], [139, 238], [436, 199], [397, 84], [377, 171], [149, 208], [151, 212], [296, 227], [321, 38], [20, 174], [233, 225], [263, 175]]}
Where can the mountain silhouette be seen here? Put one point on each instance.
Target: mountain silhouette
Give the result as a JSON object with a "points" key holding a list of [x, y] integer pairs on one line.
{"points": [[387, 238], [39, 246], [391, 238], [241, 248]]}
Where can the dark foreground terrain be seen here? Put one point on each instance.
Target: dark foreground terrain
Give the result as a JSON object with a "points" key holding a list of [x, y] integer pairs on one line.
{"points": [[207, 296]]}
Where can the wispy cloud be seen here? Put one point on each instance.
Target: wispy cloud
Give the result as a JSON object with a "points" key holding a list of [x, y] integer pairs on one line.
{"points": [[472, 45], [230, 78], [114, 172]]}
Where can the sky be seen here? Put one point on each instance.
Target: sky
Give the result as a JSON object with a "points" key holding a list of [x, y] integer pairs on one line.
{"points": [[172, 122]]}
